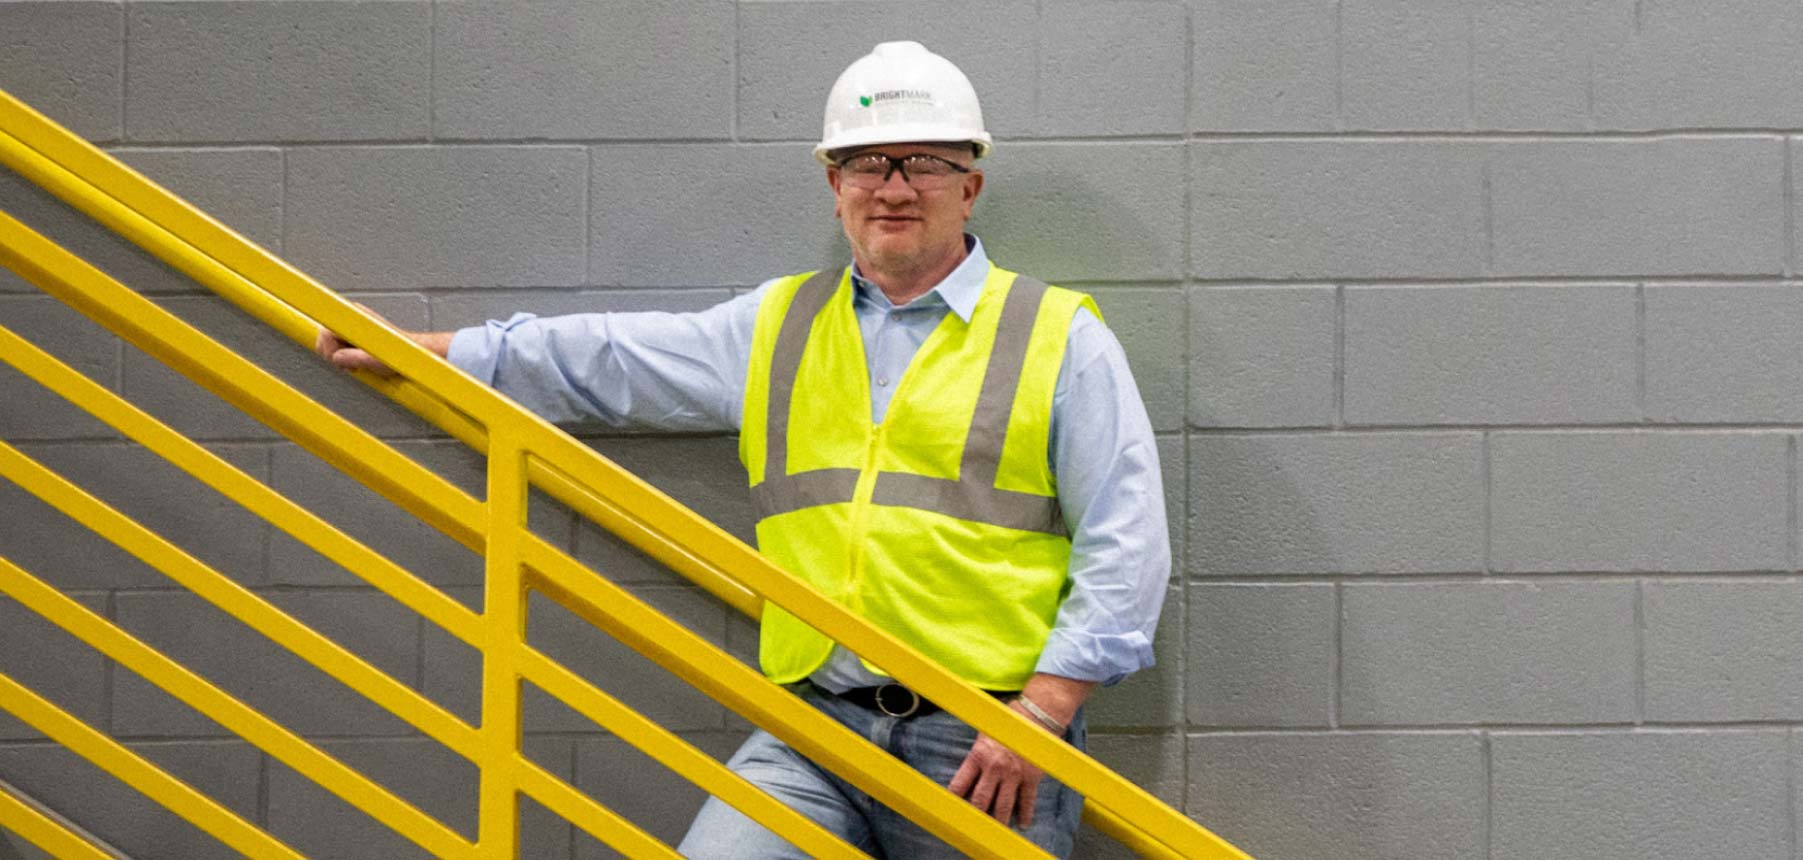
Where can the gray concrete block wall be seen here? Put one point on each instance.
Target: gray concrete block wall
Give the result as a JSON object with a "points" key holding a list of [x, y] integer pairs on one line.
{"points": [[1467, 328]]}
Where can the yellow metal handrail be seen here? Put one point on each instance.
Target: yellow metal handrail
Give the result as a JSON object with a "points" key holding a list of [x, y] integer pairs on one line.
{"points": [[524, 451]]}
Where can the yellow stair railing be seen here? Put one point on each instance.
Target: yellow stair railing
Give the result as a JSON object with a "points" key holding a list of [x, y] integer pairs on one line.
{"points": [[523, 452]]}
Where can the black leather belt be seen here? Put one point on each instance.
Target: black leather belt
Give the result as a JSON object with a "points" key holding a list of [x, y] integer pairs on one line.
{"points": [[895, 700]]}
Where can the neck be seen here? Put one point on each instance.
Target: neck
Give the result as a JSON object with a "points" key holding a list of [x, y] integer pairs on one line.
{"points": [[905, 281]]}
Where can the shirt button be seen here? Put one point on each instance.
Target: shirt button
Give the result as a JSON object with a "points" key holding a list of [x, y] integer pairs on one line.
{"points": [[882, 380]]}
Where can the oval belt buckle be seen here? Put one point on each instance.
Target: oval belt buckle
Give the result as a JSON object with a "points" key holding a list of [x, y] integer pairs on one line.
{"points": [[882, 703]]}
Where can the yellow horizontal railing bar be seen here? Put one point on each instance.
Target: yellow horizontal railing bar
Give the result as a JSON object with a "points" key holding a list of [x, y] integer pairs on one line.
{"points": [[233, 483], [1157, 822], [237, 601], [46, 832], [136, 771], [241, 719], [258, 393], [189, 241], [649, 528], [594, 819], [680, 756], [772, 708]]}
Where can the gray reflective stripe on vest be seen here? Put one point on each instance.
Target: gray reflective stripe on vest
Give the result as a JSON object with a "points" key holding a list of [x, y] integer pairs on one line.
{"points": [[781, 492], [974, 495]]}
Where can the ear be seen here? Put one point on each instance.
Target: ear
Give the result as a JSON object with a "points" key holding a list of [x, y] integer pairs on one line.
{"points": [[973, 186], [832, 179]]}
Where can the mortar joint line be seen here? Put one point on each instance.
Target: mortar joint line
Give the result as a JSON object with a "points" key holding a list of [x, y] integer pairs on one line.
{"points": [[1471, 119], [1639, 653], [1640, 382], [1792, 515], [1339, 357], [1487, 195], [1485, 454], [124, 71], [431, 70], [1789, 195], [1335, 702], [1486, 760], [1339, 64]]}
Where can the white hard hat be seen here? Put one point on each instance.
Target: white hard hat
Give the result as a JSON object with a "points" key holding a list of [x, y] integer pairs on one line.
{"points": [[898, 93]]}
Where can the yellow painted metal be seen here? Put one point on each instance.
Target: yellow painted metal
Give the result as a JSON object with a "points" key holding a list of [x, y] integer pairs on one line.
{"points": [[683, 758], [200, 694], [238, 601], [251, 277], [772, 708], [234, 484], [134, 770], [265, 397], [191, 242], [39, 829], [594, 819], [504, 621]]}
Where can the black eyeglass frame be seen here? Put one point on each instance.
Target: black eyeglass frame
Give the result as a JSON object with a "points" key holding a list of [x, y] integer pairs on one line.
{"points": [[900, 163]]}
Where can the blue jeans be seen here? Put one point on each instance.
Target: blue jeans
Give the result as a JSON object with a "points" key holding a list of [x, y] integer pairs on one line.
{"points": [[934, 745]]}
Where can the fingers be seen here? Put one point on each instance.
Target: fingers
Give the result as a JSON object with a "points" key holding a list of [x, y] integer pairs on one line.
{"points": [[998, 782]]}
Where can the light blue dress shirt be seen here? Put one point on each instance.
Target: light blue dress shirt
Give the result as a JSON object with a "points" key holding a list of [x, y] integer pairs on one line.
{"points": [[686, 372]]}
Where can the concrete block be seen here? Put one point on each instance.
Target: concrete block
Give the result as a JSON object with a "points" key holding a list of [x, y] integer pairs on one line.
{"points": [[1153, 762], [1639, 502], [1530, 63], [259, 672], [66, 61], [401, 537], [1084, 211], [583, 70], [1278, 504], [1672, 206], [385, 219], [1333, 208], [702, 473], [151, 491], [223, 770], [790, 54], [1723, 353], [453, 671], [639, 788], [1723, 651], [1262, 356], [52, 663], [1491, 355], [1264, 66], [278, 71], [451, 311], [1488, 653], [654, 225], [433, 779], [1261, 655], [1348, 797], [1151, 697], [33, 411], [200, 414], [1691, 65], [1112, 70], [83, 237], [1646, 794], [1149, 325], [241, 188], [1405, 66]]}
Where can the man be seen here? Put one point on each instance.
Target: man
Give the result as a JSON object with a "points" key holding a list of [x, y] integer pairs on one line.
{"points": [[958, 454]]}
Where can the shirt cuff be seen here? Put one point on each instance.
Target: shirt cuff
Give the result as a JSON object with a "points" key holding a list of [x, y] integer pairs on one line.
{"points": [[477, 350], [1104, 658]]}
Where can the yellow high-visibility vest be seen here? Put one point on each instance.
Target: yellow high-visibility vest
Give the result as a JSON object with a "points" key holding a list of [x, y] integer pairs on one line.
{"points": [[941, 524]]}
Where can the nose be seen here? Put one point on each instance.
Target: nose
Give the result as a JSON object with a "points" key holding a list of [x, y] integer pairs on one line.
{"points": [[895, 185]]}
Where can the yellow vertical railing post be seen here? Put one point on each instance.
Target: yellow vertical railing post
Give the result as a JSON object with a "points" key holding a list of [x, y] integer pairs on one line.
{"points": [[504, 617]]}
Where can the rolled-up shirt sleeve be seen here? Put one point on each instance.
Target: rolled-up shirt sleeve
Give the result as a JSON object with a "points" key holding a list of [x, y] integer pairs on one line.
{"points": [[1109, 485], [646, 370]]}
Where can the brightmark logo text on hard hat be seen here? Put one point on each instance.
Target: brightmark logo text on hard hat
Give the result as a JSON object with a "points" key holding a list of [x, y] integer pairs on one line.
{"points": [[896, 95]]}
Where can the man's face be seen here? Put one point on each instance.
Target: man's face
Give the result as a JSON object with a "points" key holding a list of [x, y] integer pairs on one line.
{"points": [[900, 224]]}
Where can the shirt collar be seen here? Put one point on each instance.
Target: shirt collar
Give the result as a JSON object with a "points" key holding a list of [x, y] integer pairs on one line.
{"points": [[959, 291]]}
